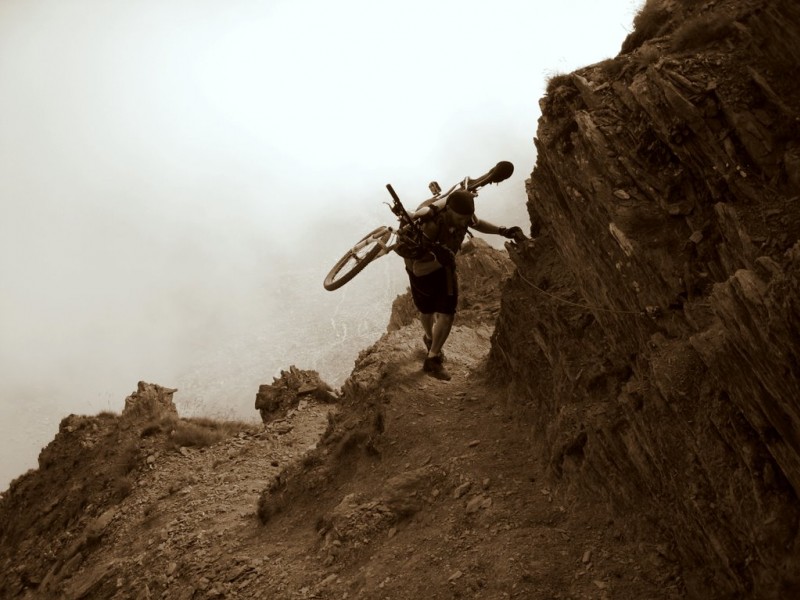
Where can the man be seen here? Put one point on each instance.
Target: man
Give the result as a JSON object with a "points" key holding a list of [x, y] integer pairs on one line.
{"points": [[434, 286]]}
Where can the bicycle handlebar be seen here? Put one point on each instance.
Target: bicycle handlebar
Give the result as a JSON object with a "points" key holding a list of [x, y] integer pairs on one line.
{"points": [[398, 208], [392, 192]]}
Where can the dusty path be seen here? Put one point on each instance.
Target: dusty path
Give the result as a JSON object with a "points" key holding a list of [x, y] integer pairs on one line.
{"points": [[450, 506]]}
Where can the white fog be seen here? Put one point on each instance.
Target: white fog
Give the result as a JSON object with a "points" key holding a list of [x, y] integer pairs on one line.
{"points": [[177, 177]]}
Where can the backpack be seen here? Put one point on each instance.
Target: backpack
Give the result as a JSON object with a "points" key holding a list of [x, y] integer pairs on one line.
{"points": [[411, 243]]}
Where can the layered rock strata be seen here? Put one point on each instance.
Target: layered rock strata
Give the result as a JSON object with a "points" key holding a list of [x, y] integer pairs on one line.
{"points": [[653, 323]]}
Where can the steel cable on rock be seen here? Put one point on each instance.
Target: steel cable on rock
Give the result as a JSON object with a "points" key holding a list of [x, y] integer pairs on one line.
{"points": [[578, 305]]}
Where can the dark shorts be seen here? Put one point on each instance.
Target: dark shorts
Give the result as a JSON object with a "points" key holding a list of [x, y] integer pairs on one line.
{"points": [[433, 293]]}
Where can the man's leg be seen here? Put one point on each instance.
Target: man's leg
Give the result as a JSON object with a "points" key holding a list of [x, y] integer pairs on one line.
{"points": [[441, 330], [427, 320], [442, 324], [433, 293]]}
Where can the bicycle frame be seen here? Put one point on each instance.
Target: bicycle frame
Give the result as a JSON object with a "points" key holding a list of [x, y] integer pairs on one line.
{"points": [[385, 247]]}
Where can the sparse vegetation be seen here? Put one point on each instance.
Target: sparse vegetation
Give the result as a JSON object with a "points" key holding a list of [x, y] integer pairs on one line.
{"points": [[128, 458], [613, 68], [557, 80], [647, 24], [700, 31], [196, 432], [199, 433], [151, 428], [194, 435], [123, 458]]}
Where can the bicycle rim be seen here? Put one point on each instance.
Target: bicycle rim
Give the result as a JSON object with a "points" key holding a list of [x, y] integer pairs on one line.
{"points": [[351, 264]]}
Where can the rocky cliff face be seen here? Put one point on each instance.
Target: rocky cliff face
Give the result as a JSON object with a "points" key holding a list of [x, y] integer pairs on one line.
{"points": [[652, 325]]}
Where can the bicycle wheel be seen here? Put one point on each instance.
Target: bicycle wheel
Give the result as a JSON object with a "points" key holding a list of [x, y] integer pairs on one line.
{"points": [[359, 256]]}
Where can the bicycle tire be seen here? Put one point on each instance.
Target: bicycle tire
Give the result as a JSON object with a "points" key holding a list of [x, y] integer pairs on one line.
{"points": [[359, 256], [500, 172]]}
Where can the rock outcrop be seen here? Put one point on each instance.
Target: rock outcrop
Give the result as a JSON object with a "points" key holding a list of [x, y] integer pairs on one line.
{"points": [[285, 392], [54, 520], [150, 402], [652, 325]]}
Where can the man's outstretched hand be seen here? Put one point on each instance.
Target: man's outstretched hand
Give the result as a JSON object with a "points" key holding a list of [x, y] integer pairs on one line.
{"points": [[513, 233]]}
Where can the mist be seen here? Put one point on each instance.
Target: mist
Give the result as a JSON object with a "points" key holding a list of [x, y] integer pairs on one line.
{"points": [[177, 177]]}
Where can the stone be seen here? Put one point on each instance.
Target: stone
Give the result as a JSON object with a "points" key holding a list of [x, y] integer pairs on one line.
{"points": [[455, 576], [462, 489], [283, 394], [98, 527], [149, 402], [283, 428], [478, 503]]}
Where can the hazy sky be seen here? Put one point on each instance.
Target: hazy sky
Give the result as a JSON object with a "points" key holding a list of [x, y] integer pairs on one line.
{"points": [[176, 177]]}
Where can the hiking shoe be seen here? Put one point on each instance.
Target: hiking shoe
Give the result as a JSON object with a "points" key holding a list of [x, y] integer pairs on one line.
{"points": [[434, 367], [428, 341]]}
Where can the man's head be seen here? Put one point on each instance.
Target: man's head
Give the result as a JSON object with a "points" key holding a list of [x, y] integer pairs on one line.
{"points": [[461, 204]]}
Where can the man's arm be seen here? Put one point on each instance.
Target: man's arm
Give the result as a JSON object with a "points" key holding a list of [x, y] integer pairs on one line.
{"points": [[509, 232], [486, 227]]}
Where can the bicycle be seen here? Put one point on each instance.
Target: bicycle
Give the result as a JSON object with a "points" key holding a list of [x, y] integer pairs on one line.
{"points": [[385, 239]]}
